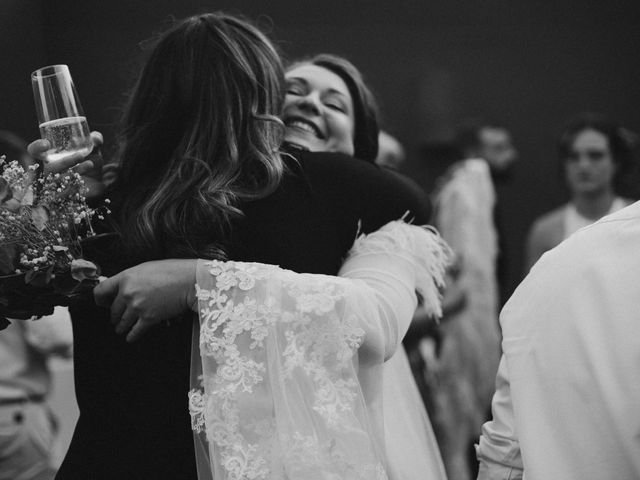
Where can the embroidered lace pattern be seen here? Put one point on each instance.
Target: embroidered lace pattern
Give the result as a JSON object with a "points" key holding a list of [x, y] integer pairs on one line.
{"points": [[292, 363], [294, 332]]}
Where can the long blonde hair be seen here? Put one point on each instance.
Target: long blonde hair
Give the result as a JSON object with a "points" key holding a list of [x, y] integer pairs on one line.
{"points": [[200, 135]]}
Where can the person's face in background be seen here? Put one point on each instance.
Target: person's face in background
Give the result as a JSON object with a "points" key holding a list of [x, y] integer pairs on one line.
{"points": [[318, 110], [590, 166], [496, 147]]}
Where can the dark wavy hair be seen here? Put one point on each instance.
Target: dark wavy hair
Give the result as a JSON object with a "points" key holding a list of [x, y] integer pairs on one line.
{"points": [[200, 135], [365, 138], [622, 144]]}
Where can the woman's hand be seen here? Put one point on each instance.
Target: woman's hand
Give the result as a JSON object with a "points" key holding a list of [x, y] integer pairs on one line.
{"points": [[90, 167], [148, 294]]}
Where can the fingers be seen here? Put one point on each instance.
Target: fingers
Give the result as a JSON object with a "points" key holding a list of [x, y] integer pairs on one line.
{"points": [[126, 321], [38, 149], [97, 138], [63, 164], [138, 330], [124, 317], [118, 309], [95, 156], [105, 292], [83, 167]]}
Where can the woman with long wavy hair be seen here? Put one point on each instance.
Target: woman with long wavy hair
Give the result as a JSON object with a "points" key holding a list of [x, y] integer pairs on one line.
{"points": [[201, 176], [185, 163]]}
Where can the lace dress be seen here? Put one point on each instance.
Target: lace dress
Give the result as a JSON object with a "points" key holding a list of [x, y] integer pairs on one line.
{"points": [[295, 374]]}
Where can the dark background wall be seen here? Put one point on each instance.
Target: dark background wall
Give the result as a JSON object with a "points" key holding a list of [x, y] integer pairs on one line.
{"points": [[529, 64]]}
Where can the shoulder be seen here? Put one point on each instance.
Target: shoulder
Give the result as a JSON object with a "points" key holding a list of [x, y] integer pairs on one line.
{"points": [[364, 186], [549, 223], [606, 239], [545, 233], [626, 201]]}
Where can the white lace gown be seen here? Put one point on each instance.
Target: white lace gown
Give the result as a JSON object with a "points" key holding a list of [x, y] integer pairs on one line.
{"points": [[302, 376]]}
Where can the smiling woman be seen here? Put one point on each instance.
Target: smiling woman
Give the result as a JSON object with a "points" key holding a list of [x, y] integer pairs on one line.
{"points": [[319, 110], [329, 108]]}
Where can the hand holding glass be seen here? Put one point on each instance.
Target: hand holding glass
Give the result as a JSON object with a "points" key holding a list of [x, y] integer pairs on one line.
{"points": [[60, 115]]}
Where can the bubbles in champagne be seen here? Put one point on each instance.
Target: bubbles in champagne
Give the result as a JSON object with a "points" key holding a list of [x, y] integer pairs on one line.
{"points": [[67, 136]]}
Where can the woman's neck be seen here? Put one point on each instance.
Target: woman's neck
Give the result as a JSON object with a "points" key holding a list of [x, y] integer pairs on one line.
{"points": [[595, 205]]}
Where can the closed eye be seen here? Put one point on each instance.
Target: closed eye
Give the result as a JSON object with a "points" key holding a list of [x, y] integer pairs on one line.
{"points": [[335, 101], [337, 107], [296, 86], [294, 90]]}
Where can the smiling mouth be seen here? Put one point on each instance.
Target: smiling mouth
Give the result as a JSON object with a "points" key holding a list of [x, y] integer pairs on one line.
{"points": [[304, 126]]}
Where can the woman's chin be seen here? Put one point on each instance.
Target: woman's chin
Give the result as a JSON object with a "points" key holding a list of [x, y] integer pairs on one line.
{"points": [[303, 141]]}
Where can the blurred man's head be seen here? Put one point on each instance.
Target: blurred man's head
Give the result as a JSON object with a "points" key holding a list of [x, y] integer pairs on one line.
{"points": [[490, 141]]}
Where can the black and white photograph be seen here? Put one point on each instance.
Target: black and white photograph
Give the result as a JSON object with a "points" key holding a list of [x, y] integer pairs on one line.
{"points": [[304, 240]]}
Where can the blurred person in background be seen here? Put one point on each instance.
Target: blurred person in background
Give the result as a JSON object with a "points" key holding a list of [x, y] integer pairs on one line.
{"points": [[455, 368], [596, 154], [492, 142], [27, 426]]}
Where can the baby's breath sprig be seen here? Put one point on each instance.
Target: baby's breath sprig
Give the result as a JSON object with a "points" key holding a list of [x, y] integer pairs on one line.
{"points": [[43, 217]]}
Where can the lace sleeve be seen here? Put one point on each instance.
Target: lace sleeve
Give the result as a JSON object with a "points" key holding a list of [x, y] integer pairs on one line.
{"points": [[288, 366], [280, 396]]}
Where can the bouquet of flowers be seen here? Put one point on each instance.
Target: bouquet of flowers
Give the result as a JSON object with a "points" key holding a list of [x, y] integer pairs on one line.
{"points": [[44, 219]]}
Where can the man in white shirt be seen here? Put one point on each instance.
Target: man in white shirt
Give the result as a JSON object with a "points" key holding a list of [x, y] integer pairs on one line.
{"points": [[567, 401]]}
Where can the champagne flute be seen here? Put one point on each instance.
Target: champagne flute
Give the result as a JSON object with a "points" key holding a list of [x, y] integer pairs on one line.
{"points": [[60, 115]]}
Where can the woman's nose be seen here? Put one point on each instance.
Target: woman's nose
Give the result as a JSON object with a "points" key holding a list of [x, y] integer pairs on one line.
{"points": [[309, 103]]}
